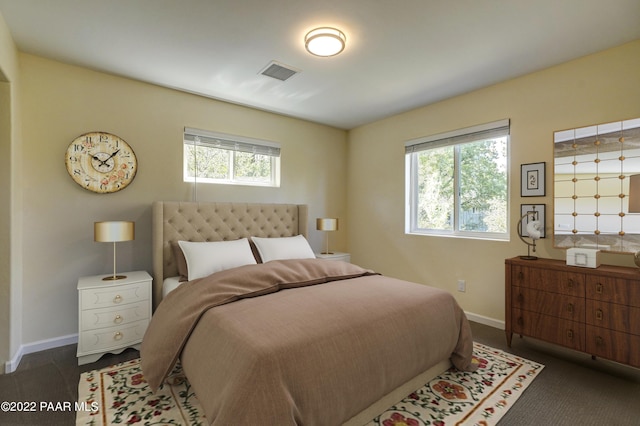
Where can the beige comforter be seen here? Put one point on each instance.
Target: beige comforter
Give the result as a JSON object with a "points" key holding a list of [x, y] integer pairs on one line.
{"points": [[301, 342]]}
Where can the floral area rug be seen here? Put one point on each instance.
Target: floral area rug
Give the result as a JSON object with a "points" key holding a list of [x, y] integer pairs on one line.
{"points": [[455, 397], [120, 395]]}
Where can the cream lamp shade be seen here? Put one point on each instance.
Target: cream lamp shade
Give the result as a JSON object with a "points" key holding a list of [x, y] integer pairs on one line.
{"points": [[327, 224], [113, 232]]}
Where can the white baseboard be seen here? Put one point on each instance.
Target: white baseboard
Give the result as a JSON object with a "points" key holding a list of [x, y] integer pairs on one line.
{"points": [[491, 322], [41, 345]]}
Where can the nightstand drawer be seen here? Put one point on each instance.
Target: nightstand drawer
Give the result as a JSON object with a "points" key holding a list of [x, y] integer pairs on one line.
{"points": [[92, 319], [113, 296], [113, 337]]}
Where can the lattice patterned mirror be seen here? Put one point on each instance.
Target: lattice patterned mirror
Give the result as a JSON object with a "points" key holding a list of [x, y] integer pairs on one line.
{"points": [[592, 166]]}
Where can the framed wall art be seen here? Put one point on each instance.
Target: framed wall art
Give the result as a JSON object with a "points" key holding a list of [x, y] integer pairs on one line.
{"points": [[531, 212], [532, 180]]}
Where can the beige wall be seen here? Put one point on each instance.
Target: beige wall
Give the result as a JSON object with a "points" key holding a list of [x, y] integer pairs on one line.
{"points": [[61, 102], [595, 89]]}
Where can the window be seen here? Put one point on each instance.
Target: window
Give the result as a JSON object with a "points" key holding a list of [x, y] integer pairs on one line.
{"points": [[219, 158], [457, 183]]}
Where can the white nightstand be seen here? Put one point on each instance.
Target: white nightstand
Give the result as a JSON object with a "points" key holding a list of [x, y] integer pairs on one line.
{"points": [[345, 257], [113, 315]]}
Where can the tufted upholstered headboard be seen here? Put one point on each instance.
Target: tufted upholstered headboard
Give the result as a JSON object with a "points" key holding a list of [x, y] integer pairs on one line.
{"points": [[189, 221]]}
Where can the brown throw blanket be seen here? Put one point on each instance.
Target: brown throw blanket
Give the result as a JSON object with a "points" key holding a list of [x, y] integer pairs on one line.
{"points": [[318, 354]]}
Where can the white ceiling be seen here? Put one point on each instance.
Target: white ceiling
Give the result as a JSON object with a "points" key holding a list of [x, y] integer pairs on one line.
{"points": [[400, 54]]}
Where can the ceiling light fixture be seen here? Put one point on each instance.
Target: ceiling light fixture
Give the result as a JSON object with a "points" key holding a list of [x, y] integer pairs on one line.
{"points": [[325, 41]]}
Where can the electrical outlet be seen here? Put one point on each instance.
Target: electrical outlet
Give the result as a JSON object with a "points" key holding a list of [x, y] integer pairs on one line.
{"points": [[462, 286]]}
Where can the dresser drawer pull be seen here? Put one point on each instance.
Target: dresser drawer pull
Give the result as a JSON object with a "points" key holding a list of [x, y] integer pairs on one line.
{"points": [[599, 341], [117, 335], [570, 334], [599, 288], [599, 314], [117, 299], [570, 283], [520, 298], [118, 319], [570, 308]]}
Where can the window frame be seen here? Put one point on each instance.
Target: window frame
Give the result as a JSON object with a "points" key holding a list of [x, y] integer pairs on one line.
{"points": [[455, 139], [234, 144]]}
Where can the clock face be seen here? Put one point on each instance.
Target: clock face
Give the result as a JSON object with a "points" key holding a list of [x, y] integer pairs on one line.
{"points": [[101, 162]]}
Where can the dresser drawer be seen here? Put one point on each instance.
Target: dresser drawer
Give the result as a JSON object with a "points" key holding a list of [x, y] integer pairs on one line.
{"points": [[552, 304], [113, 337], [615, 290], [613, 345], [562, 282], [613, 316], [92, 319], [551, 329], [116, 295]]}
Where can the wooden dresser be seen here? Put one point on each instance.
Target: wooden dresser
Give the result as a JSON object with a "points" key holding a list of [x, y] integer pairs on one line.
{"points": [[596, 311]]}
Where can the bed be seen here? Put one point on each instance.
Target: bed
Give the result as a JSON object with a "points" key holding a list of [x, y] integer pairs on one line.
{"points": [[290, 341]]}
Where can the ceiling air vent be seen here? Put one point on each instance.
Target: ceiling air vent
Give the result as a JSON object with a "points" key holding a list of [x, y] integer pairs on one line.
{"points": [[279, 71]]}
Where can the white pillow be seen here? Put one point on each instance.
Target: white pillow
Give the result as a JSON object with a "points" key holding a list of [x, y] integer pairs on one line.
{"points": [[205, 258], [283, 248]]}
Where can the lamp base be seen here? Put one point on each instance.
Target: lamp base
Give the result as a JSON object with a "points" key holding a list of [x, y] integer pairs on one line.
{"points": [[114, 277], [529, 257]]}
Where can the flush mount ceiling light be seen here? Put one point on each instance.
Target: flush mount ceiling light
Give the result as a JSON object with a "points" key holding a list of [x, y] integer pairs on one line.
{"points": [[325, 41]]}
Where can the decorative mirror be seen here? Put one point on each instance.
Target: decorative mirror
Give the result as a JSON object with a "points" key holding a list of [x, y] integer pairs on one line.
{"points": [[592, 169]]}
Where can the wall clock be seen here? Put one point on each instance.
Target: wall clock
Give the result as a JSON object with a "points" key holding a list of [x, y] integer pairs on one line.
{"points": [[101, 162]]}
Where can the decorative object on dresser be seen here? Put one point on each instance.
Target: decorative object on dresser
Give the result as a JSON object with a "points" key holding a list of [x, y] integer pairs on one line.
{"points": [[101, 162], [344, 257], [533, 215], [327, 225], [112, 315], [586, 258], [596, 311], [113, 232]]}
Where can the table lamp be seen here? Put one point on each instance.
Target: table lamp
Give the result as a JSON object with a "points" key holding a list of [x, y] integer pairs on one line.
{"points": [[113, 232], [328, 225]]}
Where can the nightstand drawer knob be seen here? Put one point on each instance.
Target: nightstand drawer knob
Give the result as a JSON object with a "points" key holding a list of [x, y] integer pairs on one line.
{"points": [[570, 334], [118, 319], [117, 335], [117, 299], [599, 288], [570, 308], [599, 314]]}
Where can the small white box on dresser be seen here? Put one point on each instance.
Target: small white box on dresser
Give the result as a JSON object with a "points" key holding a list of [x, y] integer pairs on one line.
{"points": [[112, 315], [584, 257]]}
